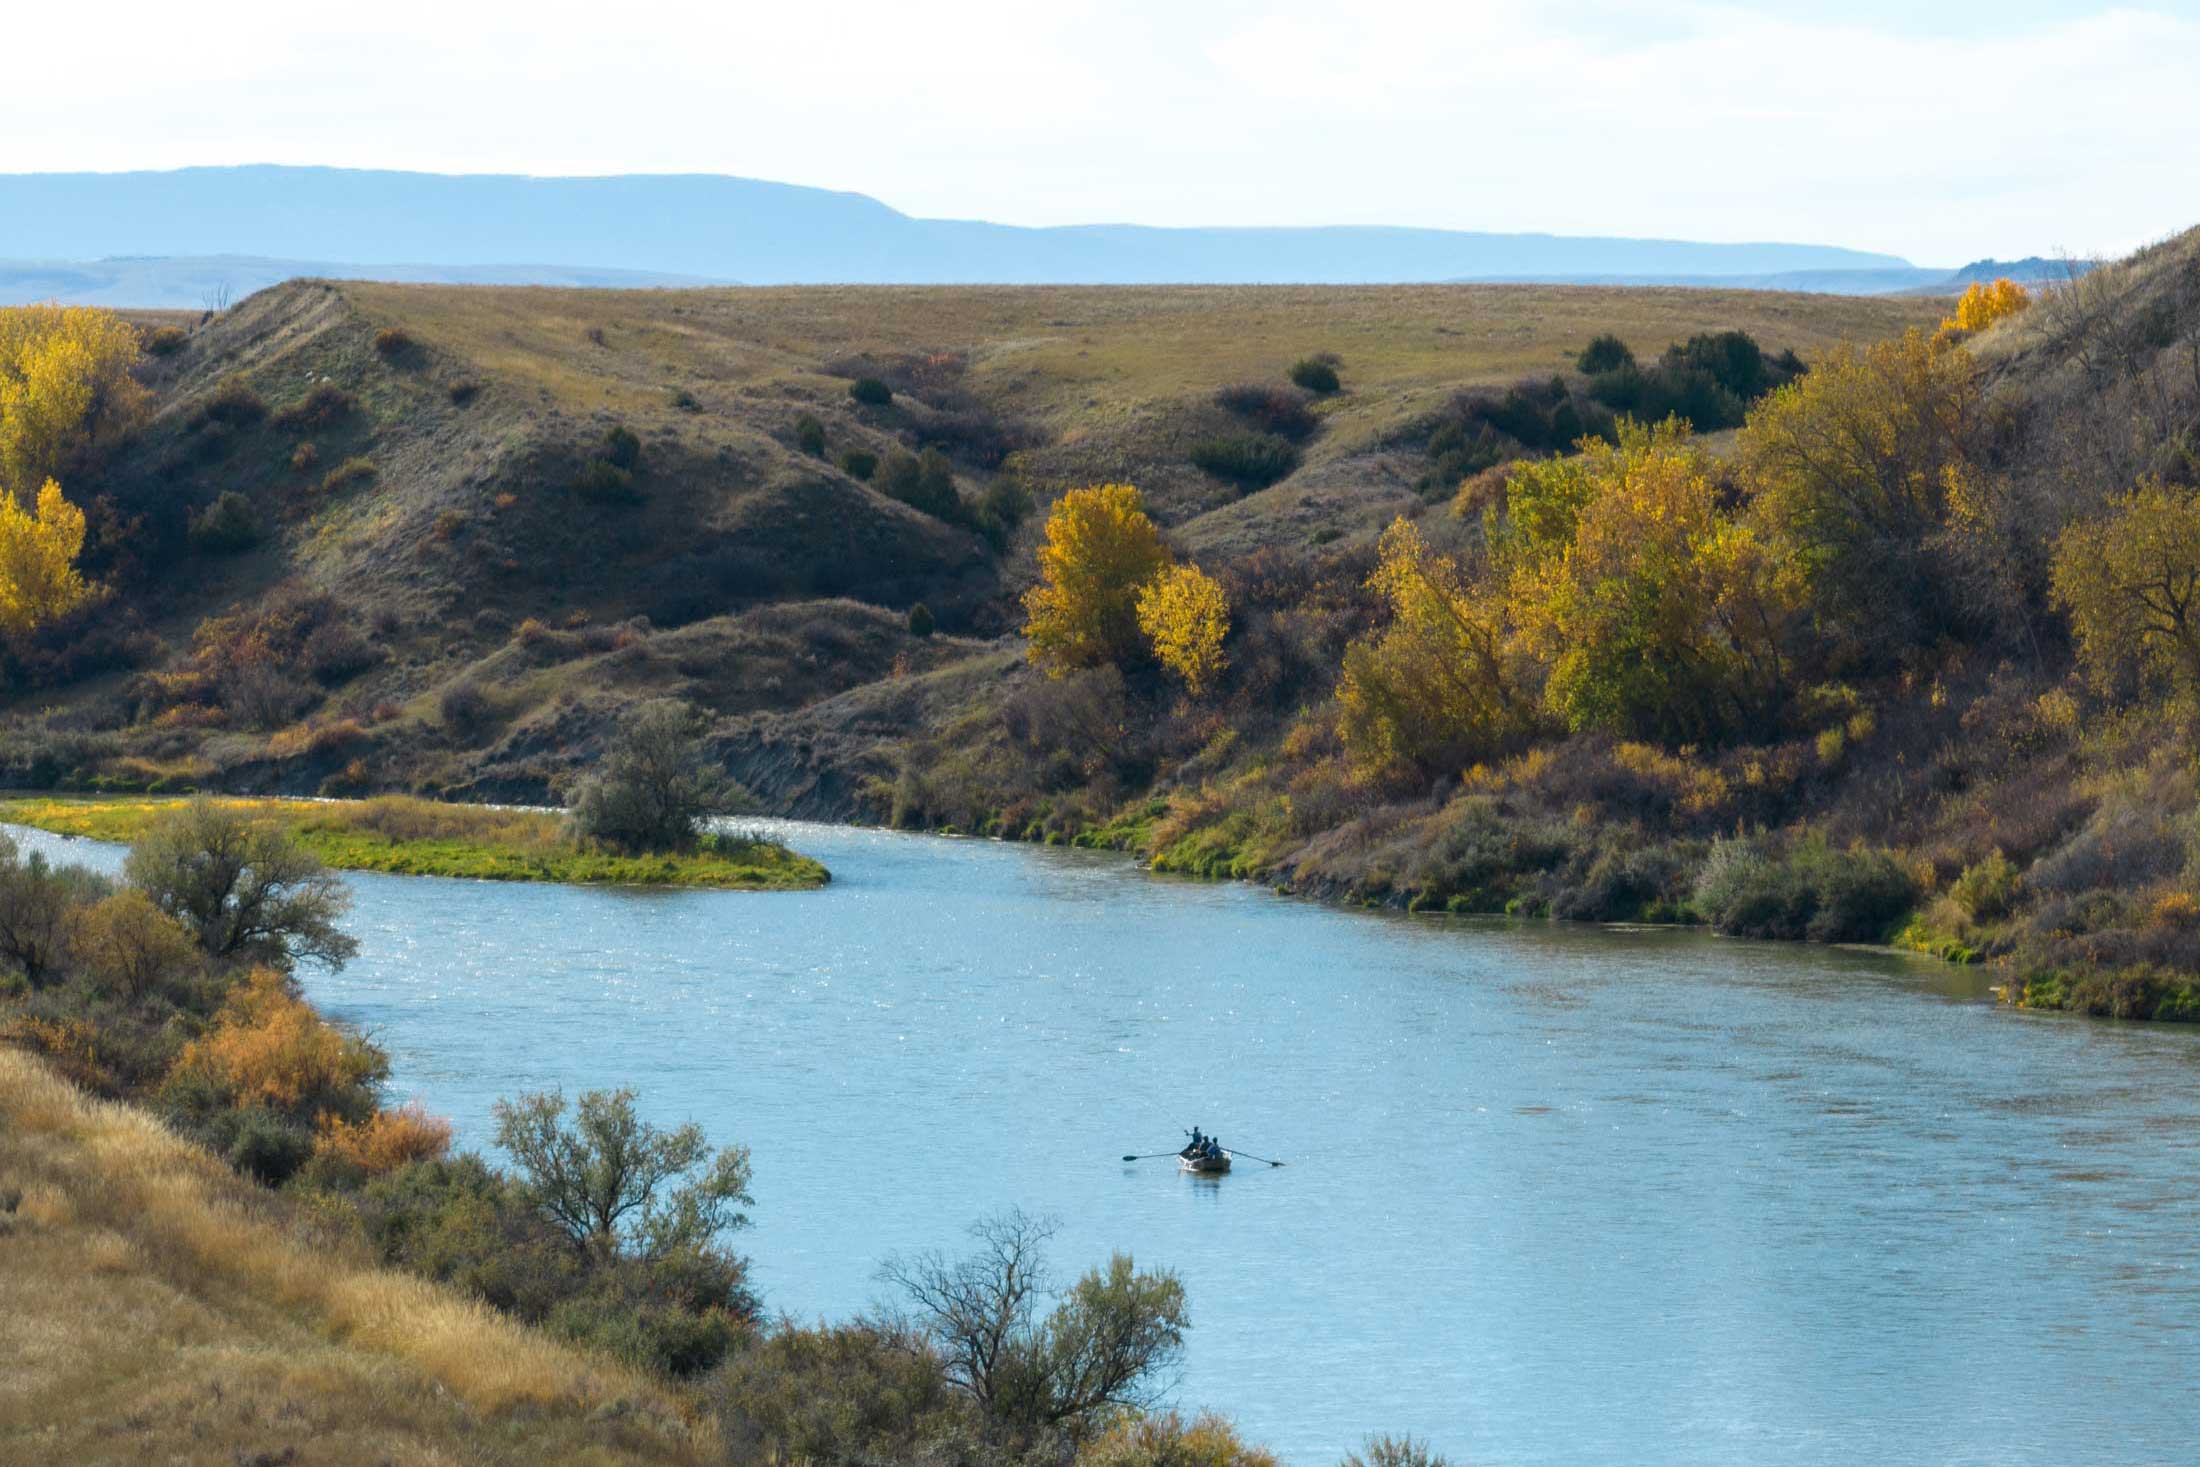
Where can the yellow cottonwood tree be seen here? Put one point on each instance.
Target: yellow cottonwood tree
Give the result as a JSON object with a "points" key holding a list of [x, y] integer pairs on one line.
{"points": [[38, 550], [1656, 614], [65, 389], [2130, 582], [1101, 550], [1437, 688], [1849, 468], [1185, 614]]}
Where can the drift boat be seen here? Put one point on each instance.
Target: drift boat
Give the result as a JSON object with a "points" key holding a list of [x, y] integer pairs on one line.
{"points": [[1218, 1163]]}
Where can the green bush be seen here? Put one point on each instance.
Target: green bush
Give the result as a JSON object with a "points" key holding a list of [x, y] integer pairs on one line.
{"points": [[1605, 354], [1987, 889], [924, 482], [165, 341], [266, 1146], [621, 448], [654, 788], [843, 1395], [858, 463], [870, 392], [920, 620], [1806, 890], [1317, 374], [325, 406], [605, 482], [1253, 460], [233, 405], [809, 435], [226, 526]]}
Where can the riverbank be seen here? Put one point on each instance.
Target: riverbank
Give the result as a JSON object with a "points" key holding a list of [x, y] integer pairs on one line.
{"points": [[155, 1305], [404, 836]]}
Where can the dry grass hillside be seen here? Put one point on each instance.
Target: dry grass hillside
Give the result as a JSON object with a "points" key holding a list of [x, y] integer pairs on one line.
{"points": [[464, 524], [156, 1308]]}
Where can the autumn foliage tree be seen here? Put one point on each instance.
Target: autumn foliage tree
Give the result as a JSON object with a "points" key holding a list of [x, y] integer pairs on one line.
{"points": [[66, 389], [268, 1047], [2130, 583], [1850, 467], [1654, 613], [1100, 552], [39, 581], [1439, 686], [1984, 304], [1185, 615]]}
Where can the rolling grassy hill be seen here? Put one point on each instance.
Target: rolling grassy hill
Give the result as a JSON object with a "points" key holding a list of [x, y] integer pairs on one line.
{"points": [[154, 1306], [463, 613]]}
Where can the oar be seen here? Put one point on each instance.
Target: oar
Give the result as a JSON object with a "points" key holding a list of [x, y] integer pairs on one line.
{"points": [[1232, 1150], [1153, 1156]]}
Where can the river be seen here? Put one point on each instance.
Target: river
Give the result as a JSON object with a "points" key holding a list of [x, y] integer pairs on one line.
{"points": [[1553, 1195]]}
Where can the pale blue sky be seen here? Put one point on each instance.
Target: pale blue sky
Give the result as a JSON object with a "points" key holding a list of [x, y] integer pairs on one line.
{"points": [[1940, 131]]}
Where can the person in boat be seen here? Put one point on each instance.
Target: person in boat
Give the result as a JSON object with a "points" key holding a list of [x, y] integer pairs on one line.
{"points": [[1214, 1149], [1197, 1142]]}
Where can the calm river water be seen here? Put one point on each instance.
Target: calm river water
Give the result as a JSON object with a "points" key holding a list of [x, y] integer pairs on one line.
{"points": [[1553, 1196]]}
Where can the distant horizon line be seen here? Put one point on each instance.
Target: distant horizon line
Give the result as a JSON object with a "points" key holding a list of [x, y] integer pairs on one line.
{"points": [[522, 176]]}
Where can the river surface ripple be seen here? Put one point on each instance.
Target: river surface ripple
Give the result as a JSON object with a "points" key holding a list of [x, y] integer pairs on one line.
{"points": [[1554, 1195]]}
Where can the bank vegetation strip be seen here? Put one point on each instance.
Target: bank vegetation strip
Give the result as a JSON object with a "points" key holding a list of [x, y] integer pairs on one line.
{"points": [[405, 836]]}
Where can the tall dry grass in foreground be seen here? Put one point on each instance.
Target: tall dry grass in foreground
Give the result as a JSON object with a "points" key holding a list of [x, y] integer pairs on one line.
{"points": [[154, 1307]]}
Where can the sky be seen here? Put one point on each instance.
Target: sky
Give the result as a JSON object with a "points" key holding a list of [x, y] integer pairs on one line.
{"points": [[1940, 130]]}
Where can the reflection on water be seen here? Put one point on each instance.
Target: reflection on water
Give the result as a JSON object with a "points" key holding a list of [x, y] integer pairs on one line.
{"points": [[1553, 1195]]}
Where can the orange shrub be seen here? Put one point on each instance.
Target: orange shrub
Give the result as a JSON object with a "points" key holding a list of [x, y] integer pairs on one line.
{"points": [[71, 1046], [2179, 909], [384, 1141], [270, 1048]]}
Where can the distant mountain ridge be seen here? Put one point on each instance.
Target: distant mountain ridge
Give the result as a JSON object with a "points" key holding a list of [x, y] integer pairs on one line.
{"points": [[688, 228]]}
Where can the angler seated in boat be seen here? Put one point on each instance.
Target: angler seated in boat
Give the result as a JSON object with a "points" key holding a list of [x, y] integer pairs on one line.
{"points": [[1204, 1154]]}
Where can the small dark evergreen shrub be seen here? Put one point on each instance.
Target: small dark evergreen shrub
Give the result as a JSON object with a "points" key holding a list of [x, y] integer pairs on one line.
{"points": [[1605, 354], [870, 392], [465, 708], [226, 526], [685, 401], [858, 463], [621, 448], [166, 341], [464, 391], [809, 435], [1730, 358], [920, 620], [1317, 374], [605, 482], [1254, 460], [923, 482], [267, 1147]]}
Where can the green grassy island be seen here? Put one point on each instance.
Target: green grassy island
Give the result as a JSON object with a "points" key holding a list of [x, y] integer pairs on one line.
{"points": [[406, 836]]}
